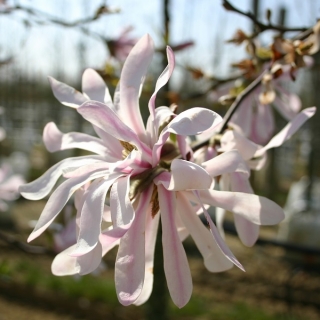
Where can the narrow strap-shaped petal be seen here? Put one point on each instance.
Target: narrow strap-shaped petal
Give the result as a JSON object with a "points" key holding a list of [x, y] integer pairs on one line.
{"points": [[110, 141], [130, 262], [55, 140], [59, 198], [184, 146], [214, 259], [229, 161], [243, 116], [91, 215], [90, 261], [263, 124], [185, 175], [106, 119], [94, 87], [151, 235], [67, 95], [248, 232], [176, 265], [162, 80], [284, 109], [220, 242], [64, 264], [231, 139], [162, 114], [256, 209], [42, 186], [189, 122], [85, 169], [133, 73], [288, 130], [122, 211]]}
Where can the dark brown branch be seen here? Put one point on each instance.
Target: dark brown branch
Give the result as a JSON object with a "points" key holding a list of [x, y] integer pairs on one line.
{"points": [[253, 85], [261, 26]]}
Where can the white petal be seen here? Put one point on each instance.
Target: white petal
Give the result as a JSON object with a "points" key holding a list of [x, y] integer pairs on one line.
{"points": [[59, 198], [130, 262], [288, 130], [229, 161], [133, 72], [176, 265], [41, 187], [214, 259], [67, 95]]}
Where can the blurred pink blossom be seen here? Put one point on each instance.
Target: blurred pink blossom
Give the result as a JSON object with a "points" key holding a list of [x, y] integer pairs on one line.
{"points": [[9, 186]]}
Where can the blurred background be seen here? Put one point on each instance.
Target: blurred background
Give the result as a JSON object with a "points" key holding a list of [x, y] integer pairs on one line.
{"points": [[62, 38]]}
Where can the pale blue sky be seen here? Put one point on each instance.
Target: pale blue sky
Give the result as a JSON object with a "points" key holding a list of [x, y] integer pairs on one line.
{"points": [[204, 21]]}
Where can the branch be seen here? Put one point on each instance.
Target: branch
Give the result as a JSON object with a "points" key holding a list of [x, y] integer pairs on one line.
{"points": [[262, 26], [100, 11], [22, 246], [253, 85]]}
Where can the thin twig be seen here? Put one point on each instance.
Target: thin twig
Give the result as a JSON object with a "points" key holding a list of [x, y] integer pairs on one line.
{"points": [[235, 105], [261, 26], [49, 18], [22, 246]]}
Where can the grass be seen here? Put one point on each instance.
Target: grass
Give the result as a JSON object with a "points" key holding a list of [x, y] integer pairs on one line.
{"points": [[101, 288]]}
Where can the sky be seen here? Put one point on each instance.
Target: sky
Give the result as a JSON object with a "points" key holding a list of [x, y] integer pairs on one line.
{"points": [[54, 50]]}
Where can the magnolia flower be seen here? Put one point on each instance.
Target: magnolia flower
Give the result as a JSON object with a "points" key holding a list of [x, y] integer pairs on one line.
{"points": [[9, 186], [255, 115], [141, 168], [255, 157], [121, 46]]}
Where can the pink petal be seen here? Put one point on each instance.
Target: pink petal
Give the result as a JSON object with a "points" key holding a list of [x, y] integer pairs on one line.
{"points": [[42, 186], [162, 114], [185, 148], [91, 215], [220, 242], [226, 162], [64, 264], [243, 116], [194, 121], [189, 122], [214, 259], [134, 70], [59, 198], [263, 124], [256, 209], [104, 118], [67, 95], [288, 130], [231, 139], [162, 80], [176, 265], [55, 140], [186, 175], [151, 235], [248, 232], [85, 169], [130, 262], [122, 211], [94, 87], [90, 261]]}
